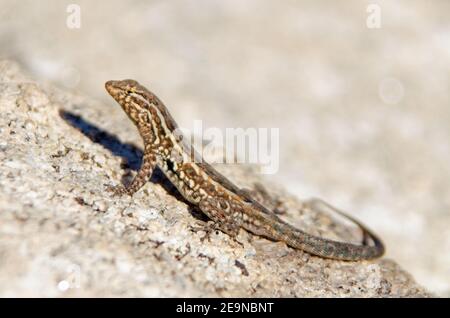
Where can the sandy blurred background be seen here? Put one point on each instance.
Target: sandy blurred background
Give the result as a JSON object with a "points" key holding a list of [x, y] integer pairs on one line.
{"points": [[364, 113]]}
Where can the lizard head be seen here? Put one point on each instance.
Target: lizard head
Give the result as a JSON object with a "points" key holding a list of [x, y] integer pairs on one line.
{"points": [[141, 105], [131, 96]]}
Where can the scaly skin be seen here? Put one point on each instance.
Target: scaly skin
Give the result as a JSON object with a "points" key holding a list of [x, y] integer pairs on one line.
{"points": [[224, 203]]}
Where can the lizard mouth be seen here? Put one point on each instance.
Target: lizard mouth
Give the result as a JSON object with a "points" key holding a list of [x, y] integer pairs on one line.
{"points": [[115, 89], [111, 87], [120, 88]]}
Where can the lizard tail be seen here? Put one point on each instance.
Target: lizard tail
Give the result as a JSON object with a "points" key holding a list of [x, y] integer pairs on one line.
{"points": [[327, 248]]}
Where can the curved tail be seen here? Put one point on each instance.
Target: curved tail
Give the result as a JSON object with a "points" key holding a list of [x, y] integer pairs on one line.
{"points": [[328, 248]]}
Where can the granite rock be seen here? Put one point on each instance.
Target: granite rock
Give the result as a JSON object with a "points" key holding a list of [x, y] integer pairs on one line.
{"points": [[62, 234]]}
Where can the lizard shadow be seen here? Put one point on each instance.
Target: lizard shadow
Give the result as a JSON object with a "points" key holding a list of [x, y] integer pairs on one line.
{"points": [[130, 154]]}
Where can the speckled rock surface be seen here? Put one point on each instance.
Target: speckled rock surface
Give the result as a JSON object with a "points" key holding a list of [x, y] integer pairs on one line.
{"points": [[363, 112], [62, 234]]}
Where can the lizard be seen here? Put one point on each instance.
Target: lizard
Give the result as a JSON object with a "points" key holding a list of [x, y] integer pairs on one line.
{"points": [[225, 204]]}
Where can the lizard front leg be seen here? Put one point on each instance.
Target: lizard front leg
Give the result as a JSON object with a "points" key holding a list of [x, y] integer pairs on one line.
{"points": [[142, 176]]}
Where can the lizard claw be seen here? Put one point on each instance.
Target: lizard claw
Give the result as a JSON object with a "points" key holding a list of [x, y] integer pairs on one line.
{"points": [[207, 227], [211, 227]]}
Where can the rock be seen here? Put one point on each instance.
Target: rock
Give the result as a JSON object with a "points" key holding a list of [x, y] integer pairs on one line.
{"points": [[63, 234]]}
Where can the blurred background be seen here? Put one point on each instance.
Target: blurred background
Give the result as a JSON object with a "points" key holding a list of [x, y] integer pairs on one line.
{"points": [[359, 90]]}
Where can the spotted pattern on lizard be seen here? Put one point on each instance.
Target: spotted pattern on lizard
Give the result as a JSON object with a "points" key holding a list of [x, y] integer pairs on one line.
{"points": [[229, 207]]}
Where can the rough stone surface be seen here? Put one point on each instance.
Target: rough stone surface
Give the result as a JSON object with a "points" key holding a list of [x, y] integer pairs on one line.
{"points": [[62, 234], [363, 112]]}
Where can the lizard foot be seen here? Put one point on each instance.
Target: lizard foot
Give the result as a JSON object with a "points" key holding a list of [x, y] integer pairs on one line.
{"points": [[207, 227], [211, 227]]}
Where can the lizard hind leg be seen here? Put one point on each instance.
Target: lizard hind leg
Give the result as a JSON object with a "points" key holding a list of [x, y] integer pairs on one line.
{"points": [[211, 227], [222, 221]]}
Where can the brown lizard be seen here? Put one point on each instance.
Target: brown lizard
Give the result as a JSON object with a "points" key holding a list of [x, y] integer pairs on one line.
{"points": [[229, 207]]}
